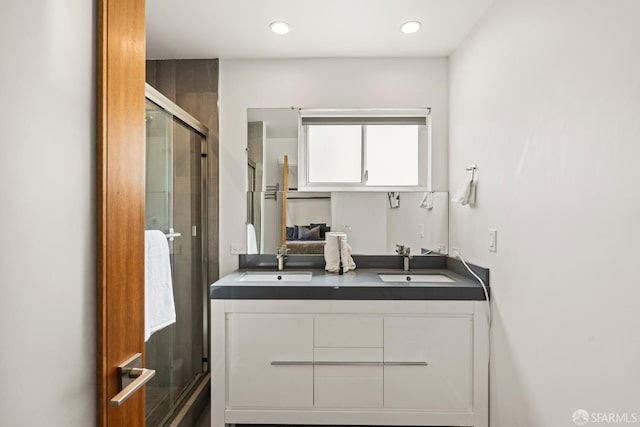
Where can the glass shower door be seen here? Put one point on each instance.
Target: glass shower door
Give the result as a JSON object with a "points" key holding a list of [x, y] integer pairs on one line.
{"points": [[174, 205]]}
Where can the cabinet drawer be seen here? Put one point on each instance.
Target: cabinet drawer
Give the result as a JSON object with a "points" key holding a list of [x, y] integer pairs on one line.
{"points": [[348, 386], [334, 331], [270, 361], [347, 354]]}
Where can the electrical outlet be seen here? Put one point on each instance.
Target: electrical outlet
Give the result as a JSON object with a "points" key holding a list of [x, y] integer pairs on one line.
{"points": [[237, 249], [493, 239]]}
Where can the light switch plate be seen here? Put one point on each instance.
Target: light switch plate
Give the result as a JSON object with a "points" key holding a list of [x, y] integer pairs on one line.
{"points": [[493, 239]]}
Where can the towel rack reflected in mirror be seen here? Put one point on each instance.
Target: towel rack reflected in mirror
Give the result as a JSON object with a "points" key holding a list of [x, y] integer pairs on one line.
{"points": [[172, 234]]}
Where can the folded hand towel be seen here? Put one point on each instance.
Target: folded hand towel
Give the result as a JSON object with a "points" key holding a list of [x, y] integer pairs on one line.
{"points": [[159, 305], [347, 261], [331, 254], [337, 250]]}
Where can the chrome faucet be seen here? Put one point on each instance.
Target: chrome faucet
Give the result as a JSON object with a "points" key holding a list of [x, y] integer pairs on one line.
{"points": [[405, 251], [281, 257]]}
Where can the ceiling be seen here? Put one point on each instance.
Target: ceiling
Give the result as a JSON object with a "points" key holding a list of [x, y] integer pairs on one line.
{"points": [[319, 28]]}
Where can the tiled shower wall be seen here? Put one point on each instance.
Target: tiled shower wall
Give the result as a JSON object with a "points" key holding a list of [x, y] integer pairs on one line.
{"points": [[193, 85]]}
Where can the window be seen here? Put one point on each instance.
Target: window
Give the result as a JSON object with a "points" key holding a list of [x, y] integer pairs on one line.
{"points": [[335, 152], [392, 154], [345, 150]]}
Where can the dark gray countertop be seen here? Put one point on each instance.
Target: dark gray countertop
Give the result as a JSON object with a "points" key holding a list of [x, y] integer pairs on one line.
{"points": [[360, 284]]}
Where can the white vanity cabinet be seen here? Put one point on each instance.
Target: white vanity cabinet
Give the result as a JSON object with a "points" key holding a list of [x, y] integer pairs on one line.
{"points": [[270, 362], [349, 362]]}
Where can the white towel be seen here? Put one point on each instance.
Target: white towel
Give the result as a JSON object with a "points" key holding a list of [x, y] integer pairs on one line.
{"points": [[346, 254], [335, 250], [466, 194], [427, 200], [159, 305], [252, 241], [472, 192]]}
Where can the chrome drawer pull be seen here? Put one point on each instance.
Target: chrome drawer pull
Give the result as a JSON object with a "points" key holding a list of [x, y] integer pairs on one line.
{"points": [[405, 363], [305, 363], [348, 363], [290, 363]]}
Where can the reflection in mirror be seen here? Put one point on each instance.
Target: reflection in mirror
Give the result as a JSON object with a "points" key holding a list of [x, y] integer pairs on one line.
{"points": [[272, 133], [371, 225]]}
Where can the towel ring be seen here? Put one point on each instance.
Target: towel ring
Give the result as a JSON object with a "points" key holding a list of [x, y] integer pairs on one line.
{"points": [[472, 169]]}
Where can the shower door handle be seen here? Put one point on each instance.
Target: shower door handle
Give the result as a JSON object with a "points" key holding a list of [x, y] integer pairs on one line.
{"points": [[172, 234], [131, 378]]}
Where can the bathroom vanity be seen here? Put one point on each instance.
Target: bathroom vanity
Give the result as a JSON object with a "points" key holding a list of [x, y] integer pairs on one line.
{"points": [[308, 347]]}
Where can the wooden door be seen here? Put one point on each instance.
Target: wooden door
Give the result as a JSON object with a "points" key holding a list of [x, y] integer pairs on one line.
{"points": [[120, 156]]}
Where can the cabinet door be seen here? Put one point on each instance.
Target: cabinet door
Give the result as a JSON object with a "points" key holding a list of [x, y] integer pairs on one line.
{"points": [[348, 377], [445, 344], [270, 361]]}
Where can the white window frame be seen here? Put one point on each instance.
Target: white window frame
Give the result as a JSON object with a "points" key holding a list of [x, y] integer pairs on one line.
{"points": [[364, 117]]}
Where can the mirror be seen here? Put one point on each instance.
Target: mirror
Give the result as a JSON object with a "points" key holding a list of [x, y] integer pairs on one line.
{"points": [[373, 221]]}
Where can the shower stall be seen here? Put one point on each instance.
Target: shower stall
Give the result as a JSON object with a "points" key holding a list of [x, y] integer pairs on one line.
{"points": [[176, 194]]}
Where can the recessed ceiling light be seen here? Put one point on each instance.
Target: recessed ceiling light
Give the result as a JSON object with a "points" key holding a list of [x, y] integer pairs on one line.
{"points": [[410, 27], [279, 27]]}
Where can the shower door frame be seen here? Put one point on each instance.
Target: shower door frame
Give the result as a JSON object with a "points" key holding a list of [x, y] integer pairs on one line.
{"points": [[182, 116]]}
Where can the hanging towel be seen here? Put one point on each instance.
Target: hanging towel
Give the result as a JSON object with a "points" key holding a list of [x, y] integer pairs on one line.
{"points": [[159, 305], [252, 242], [427, 200], [336, 250], [466, 194], [472, 192]]}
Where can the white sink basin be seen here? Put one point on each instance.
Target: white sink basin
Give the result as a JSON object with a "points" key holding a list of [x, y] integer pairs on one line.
{"points": [[275, 277], [420, 278]]}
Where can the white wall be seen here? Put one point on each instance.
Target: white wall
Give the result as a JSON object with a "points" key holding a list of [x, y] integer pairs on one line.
{"points": [[416, 227], [308, 211], [275, 150], [374, 229], [363, 216], [319, 83], [47, 211], [545, 98]]}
